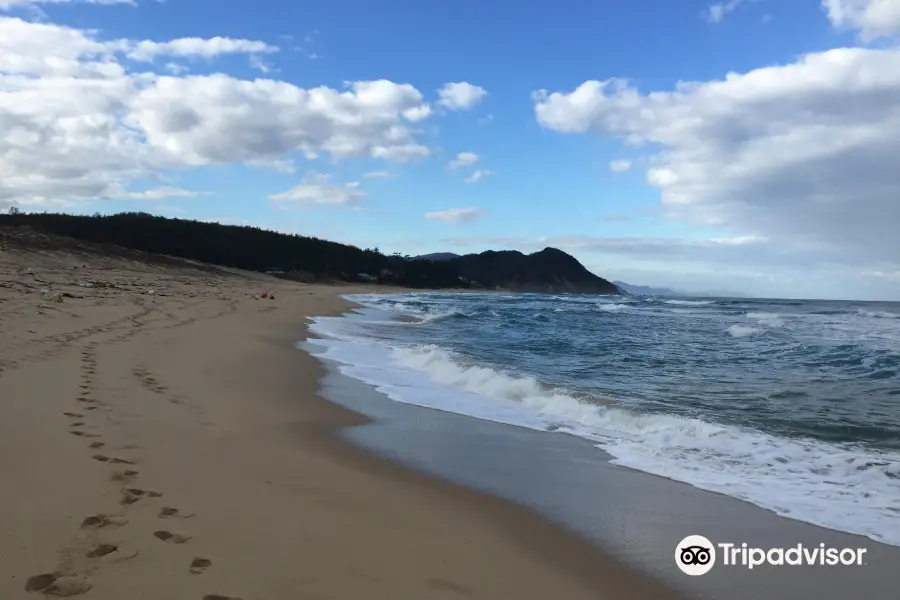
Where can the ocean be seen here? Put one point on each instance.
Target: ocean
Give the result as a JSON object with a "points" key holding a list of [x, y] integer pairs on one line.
{"points": [[791, 405]]}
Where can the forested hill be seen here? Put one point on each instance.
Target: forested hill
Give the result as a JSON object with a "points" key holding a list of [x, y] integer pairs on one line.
{"points": [[314, 259], [549, 270]]}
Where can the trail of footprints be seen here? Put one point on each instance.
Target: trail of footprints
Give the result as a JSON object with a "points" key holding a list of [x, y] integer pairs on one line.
{"points": [[131, 324], [63, 583]]}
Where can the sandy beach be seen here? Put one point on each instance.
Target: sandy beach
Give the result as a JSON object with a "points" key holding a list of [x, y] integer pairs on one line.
{"points": [[162, 437]]}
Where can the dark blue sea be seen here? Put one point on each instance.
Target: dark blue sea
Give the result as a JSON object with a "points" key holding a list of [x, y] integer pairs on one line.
{"points": [[792, 405]]}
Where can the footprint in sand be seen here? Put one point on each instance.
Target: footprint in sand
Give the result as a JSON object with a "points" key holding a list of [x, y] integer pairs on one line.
{"points": [[172, 538], [132, 495], [101, 520], [112, 552], [127, 475], [96, 444], [219, 597], [112, 459], [54, 584], [199, 565], [102, 550], [73, 415], [167, 512], [83, 433]]}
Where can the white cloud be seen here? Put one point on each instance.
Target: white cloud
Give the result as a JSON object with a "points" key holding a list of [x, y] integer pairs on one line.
{"points": [[400, 153], [478, 175], [317, 188], [873, 18], [460, 96], [278, 165], [378, 175], [80, 122], [620, 166], [802, 154], [417, 113], [455, 215], [159, 193], [464, 159], [147, 50], [176, 69], [716, 12]]}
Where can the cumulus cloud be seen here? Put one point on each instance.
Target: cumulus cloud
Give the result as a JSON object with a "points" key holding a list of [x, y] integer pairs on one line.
{"points": [[455, 215], [464, 159], [714, 13], [620, 166], [872, 18], [147, 50], [478, 175], [460, 96], [801, 154], [278, 165], [81, 122], [317, 188], [417, 113]]}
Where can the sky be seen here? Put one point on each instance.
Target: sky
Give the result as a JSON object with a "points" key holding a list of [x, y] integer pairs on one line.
{"points": [[745, 145]]}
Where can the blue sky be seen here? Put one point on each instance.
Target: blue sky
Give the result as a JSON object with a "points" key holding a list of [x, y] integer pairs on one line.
{"points": [[642, 180]]}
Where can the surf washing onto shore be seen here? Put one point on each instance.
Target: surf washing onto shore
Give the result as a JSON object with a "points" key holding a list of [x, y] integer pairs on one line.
{"points": [[791, 405]]}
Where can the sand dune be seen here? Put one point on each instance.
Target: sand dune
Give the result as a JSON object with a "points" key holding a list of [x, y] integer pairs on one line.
{"points": [[160, 437]]}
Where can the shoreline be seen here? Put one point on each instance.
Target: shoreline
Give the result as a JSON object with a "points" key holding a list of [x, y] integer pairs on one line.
{"points": [[636, 516], [181, 448], [548, 541]]}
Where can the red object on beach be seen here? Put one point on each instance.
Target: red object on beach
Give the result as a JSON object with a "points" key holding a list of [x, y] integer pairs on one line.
{"points": [[265, 294]]}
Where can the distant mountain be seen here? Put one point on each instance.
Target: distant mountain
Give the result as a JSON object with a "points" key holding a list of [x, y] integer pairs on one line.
{"points": [[439, 256], [645, 290], [550, 270], [723, 294]]}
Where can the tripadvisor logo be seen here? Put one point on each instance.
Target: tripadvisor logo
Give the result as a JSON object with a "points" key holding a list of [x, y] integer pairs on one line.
{"points": [[696, 555]]}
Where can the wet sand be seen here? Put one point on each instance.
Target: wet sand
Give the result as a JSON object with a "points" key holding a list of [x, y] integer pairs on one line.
{"points": [[640, 518], [162, 437]]}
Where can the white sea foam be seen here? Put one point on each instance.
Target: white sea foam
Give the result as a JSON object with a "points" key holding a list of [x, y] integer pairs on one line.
{"points": [[441, 315], [878, 314], [841, 487], [688, 302], [766, 319], [740, 331], [612, 307]]}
